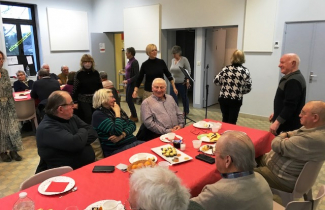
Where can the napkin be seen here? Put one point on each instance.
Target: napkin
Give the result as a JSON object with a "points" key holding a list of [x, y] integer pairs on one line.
{"points": [[56, 186]]}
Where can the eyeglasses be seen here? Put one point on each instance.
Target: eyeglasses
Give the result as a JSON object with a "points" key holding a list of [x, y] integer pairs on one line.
{"points": [[70, 104]]}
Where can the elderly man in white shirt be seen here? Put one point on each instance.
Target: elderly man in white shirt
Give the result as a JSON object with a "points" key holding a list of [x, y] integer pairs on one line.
{"points": [[159, 112]]}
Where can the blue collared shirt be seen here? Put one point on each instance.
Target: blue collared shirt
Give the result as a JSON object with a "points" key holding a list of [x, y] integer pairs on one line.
{"points": [[236, 174]]}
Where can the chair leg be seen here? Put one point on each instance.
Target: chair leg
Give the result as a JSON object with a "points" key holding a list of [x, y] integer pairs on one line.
{"points": [[35, 122], [309, 195]]}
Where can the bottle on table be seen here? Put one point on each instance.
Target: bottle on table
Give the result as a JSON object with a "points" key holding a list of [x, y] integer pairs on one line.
{"points": [[24, 203], [27, 70]]}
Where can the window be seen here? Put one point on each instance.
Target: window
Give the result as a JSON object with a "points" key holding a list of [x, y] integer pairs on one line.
{"points": [[20, 32]]}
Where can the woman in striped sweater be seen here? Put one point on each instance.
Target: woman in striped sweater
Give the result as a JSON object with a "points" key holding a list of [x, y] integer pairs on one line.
{"points": [[114, 128]]}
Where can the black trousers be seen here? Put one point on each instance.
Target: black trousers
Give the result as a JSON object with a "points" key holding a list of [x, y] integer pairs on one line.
{"points": [[230, 110], [85, 111]]}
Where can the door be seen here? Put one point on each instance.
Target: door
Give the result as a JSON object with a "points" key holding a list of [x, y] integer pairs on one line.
{"points": [[306, 40], [102, 50], [215, 56]]}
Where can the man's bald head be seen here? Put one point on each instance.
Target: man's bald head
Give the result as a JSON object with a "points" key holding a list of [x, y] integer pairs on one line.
{"points": [[289, 63]]}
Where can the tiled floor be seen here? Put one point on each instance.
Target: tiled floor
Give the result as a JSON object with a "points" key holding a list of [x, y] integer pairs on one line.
{"points": [[13, 173]]}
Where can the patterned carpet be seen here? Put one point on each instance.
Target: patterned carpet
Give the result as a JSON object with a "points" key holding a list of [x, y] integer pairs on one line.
{"points": [[14, 173]]}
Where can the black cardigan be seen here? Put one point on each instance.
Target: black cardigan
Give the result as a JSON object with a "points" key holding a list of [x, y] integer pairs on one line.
{"points": [[63, 142], [20, 86]]}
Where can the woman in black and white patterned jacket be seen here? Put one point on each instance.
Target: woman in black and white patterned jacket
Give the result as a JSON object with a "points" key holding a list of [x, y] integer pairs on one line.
{"points": [[235, 81]]}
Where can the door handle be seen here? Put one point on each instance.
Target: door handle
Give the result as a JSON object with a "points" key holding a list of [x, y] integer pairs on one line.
{"points": [[311, 75]]}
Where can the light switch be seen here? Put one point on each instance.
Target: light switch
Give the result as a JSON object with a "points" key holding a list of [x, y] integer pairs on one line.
{"points": [[198, 63]]}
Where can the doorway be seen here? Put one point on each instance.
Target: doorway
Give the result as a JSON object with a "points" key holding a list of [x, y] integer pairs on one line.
{"points": [[306, 39], [220, 43]]}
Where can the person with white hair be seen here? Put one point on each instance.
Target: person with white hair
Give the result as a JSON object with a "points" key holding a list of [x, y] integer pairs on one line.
{"points": [[108, 84], [114, 128], [290, 96], [159, 113], [46, 67], [63, 77], [240, 187], [23, 83], [160, 189]]}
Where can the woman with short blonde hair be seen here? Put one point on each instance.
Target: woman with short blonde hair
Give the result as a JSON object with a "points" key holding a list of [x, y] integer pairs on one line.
{"points": [[151, 69], [114, 128], [235, 81]]}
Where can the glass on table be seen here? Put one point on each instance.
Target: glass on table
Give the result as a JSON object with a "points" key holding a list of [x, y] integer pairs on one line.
{"points": [[164, 164], [197, 144]]}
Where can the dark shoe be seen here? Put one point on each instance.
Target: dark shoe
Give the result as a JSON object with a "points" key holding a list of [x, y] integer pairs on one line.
{"points": [[134, 119], [14, 155], [5, 157]]}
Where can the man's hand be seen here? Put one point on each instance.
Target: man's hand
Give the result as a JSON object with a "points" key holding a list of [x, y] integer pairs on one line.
{"points": [[175, 91], [270, 117], [274, 127], [125, 81], [115, 139]]}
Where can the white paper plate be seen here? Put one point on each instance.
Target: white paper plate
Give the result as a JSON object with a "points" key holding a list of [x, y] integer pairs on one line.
{"points": [[205, 138], [163, 138], [100, 203], [210, 152], [20, 97], [182, 158], [148, 155], [198, 125], [43, 186]]}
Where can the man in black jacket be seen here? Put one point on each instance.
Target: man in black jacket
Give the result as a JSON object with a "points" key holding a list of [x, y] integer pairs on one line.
{"points": [[63, 139], [290, 96]]}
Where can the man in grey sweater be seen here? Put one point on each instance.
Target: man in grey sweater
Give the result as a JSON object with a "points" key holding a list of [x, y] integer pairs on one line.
{"points": [[292, 150], [240, 187]]}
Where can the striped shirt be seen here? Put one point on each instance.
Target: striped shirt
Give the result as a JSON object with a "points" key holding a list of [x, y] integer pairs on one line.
{"points": [[107, 127]]}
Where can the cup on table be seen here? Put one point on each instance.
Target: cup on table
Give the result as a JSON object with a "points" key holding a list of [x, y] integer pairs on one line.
{"points": [[183, 146], [110, 205], [197, 144], [164, 164], [216, 127], [142, 157], [170, 136]]}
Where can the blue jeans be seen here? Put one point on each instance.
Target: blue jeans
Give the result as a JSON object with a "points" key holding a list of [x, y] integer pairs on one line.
{"points": [[182, 91], [129, 99]]}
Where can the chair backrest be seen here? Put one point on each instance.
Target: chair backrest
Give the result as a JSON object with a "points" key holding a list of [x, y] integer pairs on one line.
{"points": [[25, 110], [307, 205], [307, 178], [44, 175]]}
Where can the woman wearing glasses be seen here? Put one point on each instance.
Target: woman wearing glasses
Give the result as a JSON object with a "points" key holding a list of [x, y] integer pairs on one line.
{"points": [[10, 139], [87, 81], [22, 83], [114, 128]]}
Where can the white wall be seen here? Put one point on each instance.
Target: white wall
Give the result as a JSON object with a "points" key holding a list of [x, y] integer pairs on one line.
{"points": [[264, 66], [57, 59]]}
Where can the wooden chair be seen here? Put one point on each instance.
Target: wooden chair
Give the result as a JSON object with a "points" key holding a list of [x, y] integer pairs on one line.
{"points": [[303, 184], [44, 175], [302, 205]]}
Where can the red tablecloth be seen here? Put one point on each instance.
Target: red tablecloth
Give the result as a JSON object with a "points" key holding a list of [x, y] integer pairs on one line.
{"points": [[93, 187], [26, 93]]}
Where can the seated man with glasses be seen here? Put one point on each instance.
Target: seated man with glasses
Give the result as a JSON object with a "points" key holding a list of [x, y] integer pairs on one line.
{"points": [[239, 187], [159, 113], [63, 139], [290, 151]]}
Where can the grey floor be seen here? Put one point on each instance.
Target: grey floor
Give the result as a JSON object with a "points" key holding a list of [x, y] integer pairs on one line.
{"points": [[13, 173]]}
